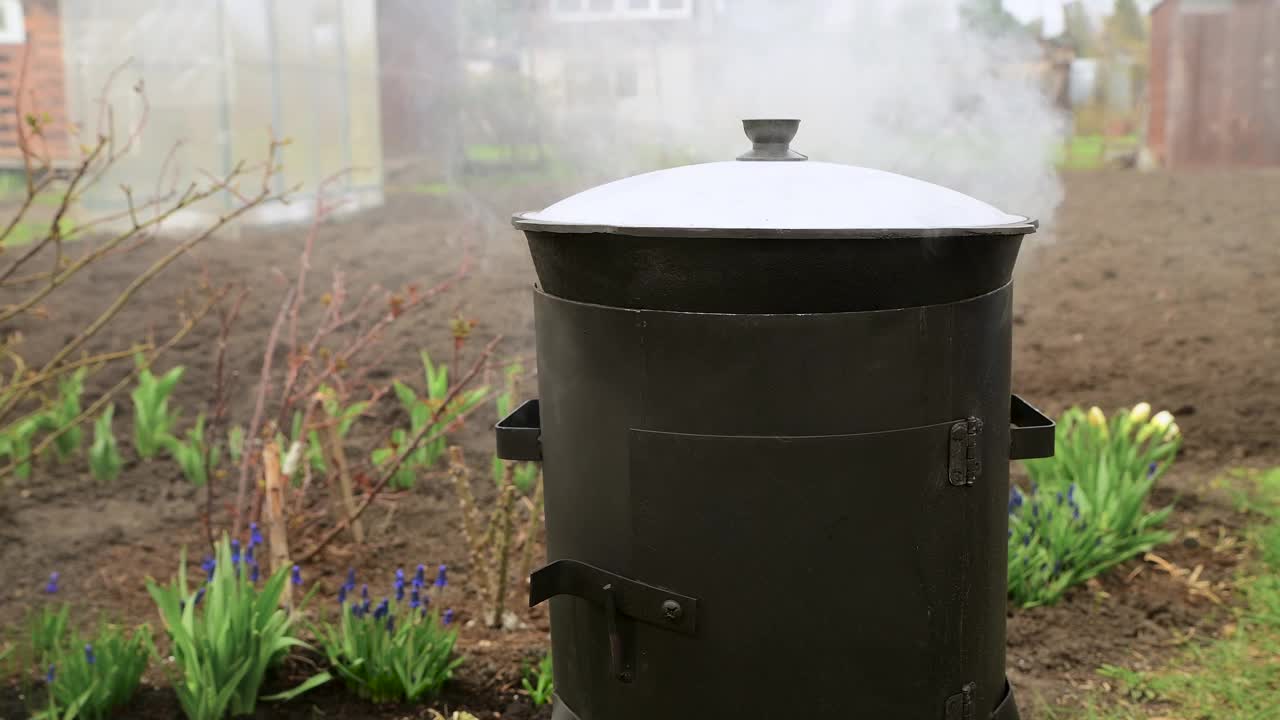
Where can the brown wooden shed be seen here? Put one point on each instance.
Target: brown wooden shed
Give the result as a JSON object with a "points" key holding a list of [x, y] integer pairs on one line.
{"points": [[1215, 83]]}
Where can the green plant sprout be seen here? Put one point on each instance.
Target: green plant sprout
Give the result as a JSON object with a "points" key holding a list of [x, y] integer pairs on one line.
{"points": [[16, 443], [1086, 511], [195, 456], [344, 416], [65, 413], [152, 421], [227, 634], [421, 411], [538, 682], [235, 444], [104, 454], [60, 414], [49, 628], [402, 650], [91, 679], [406, 474]]}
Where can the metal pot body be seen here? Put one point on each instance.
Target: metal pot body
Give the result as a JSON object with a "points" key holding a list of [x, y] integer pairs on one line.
{"points": [[780, 272], [783, 514]]}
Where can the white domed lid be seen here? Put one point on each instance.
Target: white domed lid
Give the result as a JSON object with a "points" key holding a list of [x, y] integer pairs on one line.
{"points": [[778, 195]]}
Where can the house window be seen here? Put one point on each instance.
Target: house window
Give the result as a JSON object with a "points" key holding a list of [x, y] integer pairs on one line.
{"points": [[13, 27], [568, 6], [601, 5], [673, 4]]}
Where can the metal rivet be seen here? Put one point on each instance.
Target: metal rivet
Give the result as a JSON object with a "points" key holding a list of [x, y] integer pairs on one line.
{"points": [[672, 610]]}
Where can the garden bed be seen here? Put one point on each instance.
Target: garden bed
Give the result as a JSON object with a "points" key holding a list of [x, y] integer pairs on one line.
{"points": [[1141, 291]]}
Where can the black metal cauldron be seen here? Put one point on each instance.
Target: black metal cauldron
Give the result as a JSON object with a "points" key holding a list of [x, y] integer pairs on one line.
{"points": [[775, 421]]}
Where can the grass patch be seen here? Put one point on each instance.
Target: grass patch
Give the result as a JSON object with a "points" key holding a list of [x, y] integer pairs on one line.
{"points": [[27, 232], [1090, 152], [13, 189], [432, 189], [1235, 677], [485, 153]]}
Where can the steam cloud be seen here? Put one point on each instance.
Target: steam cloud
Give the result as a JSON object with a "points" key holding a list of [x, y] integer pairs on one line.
{"points": [[899, 85]]}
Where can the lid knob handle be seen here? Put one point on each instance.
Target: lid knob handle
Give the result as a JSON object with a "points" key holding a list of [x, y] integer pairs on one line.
{"points": [[771, 140]]}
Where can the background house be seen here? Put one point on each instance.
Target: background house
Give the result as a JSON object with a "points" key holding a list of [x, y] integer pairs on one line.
{"points": [[31, 32], [1215, 82]]}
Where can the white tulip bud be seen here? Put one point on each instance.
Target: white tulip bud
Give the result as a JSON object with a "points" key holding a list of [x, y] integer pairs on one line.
{"points": [[1140, 413], [1097, 418], [1162, 420], [1172, 433]]}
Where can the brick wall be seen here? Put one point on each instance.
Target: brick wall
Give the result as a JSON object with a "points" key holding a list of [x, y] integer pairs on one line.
{"points": [[45, 86]]}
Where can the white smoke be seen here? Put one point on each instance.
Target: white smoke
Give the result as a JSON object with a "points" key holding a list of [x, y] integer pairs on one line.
{"points": [[899, 85]]}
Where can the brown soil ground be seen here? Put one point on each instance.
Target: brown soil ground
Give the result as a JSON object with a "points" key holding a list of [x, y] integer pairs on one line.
{"points": [[1149, 287]]}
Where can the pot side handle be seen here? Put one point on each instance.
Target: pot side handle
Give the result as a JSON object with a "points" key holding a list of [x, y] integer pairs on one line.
{"points": [[1031, 434], [519, 435]]}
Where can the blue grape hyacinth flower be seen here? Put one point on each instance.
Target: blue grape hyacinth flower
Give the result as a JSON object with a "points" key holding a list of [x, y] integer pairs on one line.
{"points": [[255, 536], [447, 618], [1015, 499], [51, 587], [442, 576], [295, 575], [420, 577], [88, 655]]}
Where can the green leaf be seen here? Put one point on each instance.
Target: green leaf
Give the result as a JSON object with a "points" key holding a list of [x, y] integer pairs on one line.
{"points": [[1088, 511], [407, 397], [311, 683], [105, 462]]}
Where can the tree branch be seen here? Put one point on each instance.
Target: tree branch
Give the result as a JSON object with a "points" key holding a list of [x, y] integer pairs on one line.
{"points": [[259, 405], [418, 439]]}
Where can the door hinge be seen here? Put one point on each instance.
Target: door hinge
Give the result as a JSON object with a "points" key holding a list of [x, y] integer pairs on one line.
{"points": [[960, 705], [965, 464]]}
